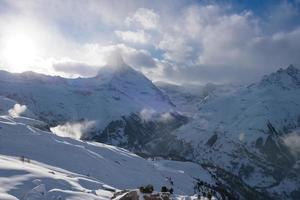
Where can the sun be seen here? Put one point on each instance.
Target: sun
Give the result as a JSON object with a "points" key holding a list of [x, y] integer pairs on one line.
{"points": [[20, 51]]}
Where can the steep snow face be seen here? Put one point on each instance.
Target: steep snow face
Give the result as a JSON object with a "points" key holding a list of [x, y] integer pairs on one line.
{"points": [[275, 99], [189, 98], [285, 78], [243, 131], [243, 114], [114, 92]]}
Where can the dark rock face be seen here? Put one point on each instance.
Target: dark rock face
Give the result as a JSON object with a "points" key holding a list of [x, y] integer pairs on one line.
{"points": [[276, 152], [235, 188], [149, 137], [212, 140], [148, 189]]}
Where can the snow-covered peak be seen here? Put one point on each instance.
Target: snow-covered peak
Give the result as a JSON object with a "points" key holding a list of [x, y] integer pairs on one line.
{"points": [[118, 69], [285, 78], [117, 91], [30, 77]]}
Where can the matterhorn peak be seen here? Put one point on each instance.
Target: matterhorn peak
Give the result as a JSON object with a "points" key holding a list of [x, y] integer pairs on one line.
{"points": [[115, 59], [115, 65]]}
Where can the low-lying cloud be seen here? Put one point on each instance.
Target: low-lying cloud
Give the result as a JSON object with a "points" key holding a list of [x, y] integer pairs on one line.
{"points": [[153, 115], [147, 114], [76, 130], [292, 140], [17, 110], [74, 68]]}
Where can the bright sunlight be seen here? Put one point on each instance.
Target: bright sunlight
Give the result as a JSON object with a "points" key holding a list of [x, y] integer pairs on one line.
{"points": [[20, 51]]}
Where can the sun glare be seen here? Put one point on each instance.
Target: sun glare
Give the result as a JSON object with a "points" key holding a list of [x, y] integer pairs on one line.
{"points": [[19, 52]]}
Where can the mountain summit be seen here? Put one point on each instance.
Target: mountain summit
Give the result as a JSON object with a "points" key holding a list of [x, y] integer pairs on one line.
{"points": [[285, 78]]}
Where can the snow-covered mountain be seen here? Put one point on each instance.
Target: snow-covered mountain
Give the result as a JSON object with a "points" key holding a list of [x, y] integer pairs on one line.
{"points": [[118, 94], [188, 97], [116, 91], [240, 135], [244, 132]]}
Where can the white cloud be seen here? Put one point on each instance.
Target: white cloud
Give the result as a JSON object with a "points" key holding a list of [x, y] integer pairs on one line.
{"points": [[153, 115], [242, 136], [17, 110], [165, 117], [136, 58], [74, 68], [144, 17], [292, 140], [221, 45], [77, 130], [133, 36], [147, 114], [176, 48], [212, 36]]}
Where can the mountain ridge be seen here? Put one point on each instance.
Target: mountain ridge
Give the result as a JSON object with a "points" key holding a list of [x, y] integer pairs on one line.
{"points": [[237, 131]]}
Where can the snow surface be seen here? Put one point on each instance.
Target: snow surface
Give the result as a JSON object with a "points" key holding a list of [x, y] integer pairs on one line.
{"points": [[36, 164]]}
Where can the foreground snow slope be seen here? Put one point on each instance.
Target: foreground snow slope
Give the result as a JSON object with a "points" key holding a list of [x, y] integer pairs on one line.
{"points": [[76, 169], [17, 180], [114, 166]]}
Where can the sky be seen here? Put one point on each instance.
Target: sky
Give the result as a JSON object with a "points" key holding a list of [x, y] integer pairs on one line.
{"points": [[181, 42]]}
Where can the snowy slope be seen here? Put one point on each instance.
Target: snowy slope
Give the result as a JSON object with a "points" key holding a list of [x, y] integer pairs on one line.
{"points": [[244, 114], [65, 168], [189, 98]]}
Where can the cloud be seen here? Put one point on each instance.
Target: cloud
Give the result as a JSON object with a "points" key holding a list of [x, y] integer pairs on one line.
{"points": [[176, 41], [165, 117], [242, 137], [139, 59], [145, 18], [17, 110], [133, 36], [213, 37], [176, 48], [136, 58], [76, 130], [221, 45], [147, 114], [292, 140], [74, 68], [153, 115]]}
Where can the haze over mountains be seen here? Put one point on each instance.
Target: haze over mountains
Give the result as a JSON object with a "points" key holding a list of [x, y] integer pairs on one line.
{"points": [[239, 135]]}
